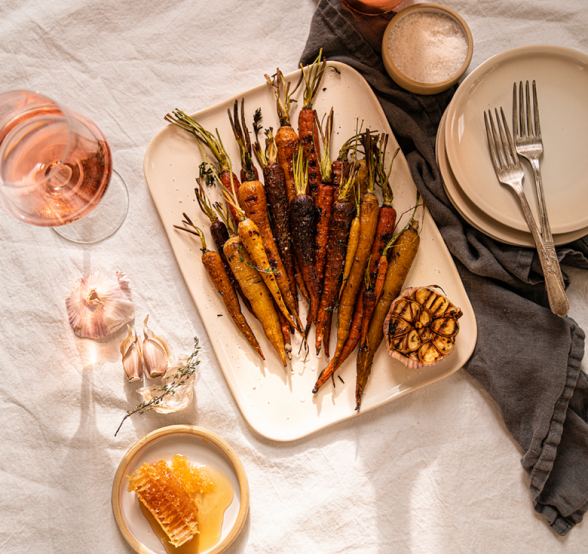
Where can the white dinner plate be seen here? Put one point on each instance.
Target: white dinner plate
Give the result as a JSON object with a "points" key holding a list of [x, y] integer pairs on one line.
{"points": [[561, 75], [202, 448], [476, 217], [278, 402]]}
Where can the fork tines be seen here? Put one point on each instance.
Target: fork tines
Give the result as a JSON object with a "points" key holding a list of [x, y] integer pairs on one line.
{"points": [[502, 148], [525, 126]]}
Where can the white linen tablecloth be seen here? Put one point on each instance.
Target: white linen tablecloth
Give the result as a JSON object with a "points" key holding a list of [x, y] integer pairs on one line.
{"points": [[434, 472]]}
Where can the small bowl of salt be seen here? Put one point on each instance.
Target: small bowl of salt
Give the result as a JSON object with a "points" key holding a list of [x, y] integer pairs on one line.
{"points": [[427, 48]]}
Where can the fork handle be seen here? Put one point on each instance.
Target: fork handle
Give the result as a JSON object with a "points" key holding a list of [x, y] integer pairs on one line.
{"points": [[544, 219], [558, 301]]}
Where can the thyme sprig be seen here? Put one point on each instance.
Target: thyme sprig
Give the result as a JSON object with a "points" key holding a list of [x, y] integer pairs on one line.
{"points": [[205, 173], [179, 378]]}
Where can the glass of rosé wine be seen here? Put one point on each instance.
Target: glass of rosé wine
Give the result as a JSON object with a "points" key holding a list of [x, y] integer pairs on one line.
{"points": [[372, 7], [56, 169]]}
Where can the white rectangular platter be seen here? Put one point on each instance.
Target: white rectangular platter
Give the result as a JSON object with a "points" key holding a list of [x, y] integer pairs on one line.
{"points": [[277, 402]]}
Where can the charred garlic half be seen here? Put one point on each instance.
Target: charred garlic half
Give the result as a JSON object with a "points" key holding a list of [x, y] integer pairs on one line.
{"points": [[421, 327]]}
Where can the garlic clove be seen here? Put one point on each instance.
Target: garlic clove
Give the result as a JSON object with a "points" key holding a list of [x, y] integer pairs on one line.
{"points": [[99, 305], [132, 360], [156, 352]]}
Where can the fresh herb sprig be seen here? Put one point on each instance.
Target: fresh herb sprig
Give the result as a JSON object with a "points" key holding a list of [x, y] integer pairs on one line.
{"points": [[179, 378], [205, 173]]}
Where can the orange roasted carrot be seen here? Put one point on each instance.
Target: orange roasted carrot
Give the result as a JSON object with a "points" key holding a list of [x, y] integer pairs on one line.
{"points": [[216, 270], [220, 232], [307, 122], [324, 199], [402, 254], [277, 199], [287, 140], [385, 227], [342, 215], [253, 200], [367, 230], [350, 344]]}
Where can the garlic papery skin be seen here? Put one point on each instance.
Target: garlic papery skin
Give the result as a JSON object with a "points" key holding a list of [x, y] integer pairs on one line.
{"points": [[171, 402], [156, 352], [132, 360], [99, 305]]}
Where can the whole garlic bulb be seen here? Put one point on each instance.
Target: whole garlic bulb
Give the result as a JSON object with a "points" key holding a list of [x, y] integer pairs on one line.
{"points": [[99, 305]]}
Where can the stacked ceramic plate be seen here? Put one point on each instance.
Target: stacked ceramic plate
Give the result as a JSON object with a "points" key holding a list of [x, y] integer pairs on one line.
{"points": [[561, 75]]}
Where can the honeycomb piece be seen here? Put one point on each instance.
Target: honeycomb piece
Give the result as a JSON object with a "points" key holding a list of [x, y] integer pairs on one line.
{"points": [[192, 478], [169, 502]]}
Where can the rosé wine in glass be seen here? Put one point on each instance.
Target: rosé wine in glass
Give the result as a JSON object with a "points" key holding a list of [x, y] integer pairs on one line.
{"points": [[372, 7], [55, 164]]}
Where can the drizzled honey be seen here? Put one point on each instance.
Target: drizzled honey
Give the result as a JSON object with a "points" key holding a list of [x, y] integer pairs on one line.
{"points": [[211, 492]]}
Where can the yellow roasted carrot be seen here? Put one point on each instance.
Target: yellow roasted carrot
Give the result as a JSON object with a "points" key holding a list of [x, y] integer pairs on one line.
{"points": [[258, 294], [367, 230]]}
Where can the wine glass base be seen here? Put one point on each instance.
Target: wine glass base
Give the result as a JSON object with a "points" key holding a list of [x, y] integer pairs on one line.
{"points": [[104, 220]]}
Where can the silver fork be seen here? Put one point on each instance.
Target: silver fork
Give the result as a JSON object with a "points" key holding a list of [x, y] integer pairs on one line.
{"points": [[529, 144], [509, 172]]}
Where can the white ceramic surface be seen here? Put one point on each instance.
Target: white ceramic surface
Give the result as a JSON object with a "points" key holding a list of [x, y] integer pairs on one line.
{"points": [[475, 216], [163, 444], [278, 402], [562, 86]]}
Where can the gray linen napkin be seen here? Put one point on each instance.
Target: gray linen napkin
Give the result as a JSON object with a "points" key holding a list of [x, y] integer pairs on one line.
{"points": [[534, 376]]}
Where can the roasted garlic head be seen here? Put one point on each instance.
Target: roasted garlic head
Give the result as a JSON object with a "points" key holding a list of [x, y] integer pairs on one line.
{"points": [[421, 327]]}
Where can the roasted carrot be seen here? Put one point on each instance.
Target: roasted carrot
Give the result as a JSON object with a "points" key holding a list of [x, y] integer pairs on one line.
{"points": [[253, 200], [324, 198], [285, 332], [381, 277], [214, 143], [327, 335], [307, 122], [257, 293], [302, 217], [338, 169], [277, 198], [350, 344], [219, 231], [402, 254], [216, 270], [367, 230], [287, 140], [362, 176], [341, 166], [252, 241], [368, 306], [387, 213], [385, 227], [352, 242], [343, 213]]}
